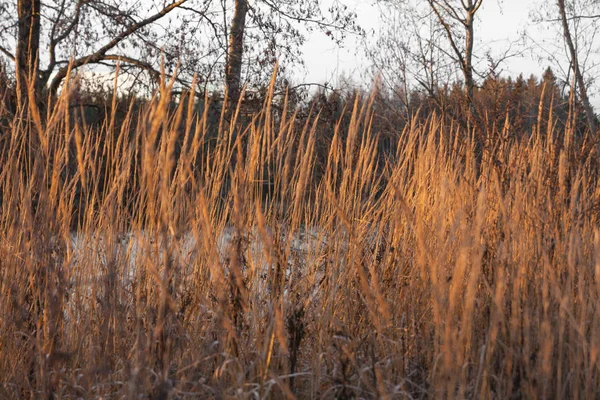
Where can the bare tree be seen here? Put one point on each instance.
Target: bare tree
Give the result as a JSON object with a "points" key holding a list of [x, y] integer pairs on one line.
{"points": [[575, 65], [411, 58], [101, 54], [441, 32], [263, 31], [48, 38], [229, 42], [569, 42], [458, 19]]}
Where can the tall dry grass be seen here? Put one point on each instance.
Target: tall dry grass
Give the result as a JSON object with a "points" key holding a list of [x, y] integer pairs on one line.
{"points": [[159, 260]]}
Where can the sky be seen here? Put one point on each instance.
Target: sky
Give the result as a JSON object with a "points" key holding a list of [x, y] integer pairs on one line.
{"points": [[500, 22]]}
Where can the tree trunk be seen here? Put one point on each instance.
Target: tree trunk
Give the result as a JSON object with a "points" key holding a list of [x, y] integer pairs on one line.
{"points": [[468, 60], [589, 112], [28, 43], [233, 71]]}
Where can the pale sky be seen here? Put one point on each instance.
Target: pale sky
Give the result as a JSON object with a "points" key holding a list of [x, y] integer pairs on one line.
{"points": [[500, 23]]}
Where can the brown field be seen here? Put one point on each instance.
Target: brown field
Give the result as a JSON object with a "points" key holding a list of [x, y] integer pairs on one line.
{"points": [[163, 261]]}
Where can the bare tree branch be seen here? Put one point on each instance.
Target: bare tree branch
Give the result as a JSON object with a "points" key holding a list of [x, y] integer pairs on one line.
{"points": [[578, 76], [101, 53], [576, 18], [477, 5], [132, 61], [7, 53], [55, 40], [317, 22], [449, 34]]}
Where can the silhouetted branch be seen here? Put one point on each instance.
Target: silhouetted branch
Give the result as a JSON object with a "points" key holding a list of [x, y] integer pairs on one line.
{"points": [[100, 54]]}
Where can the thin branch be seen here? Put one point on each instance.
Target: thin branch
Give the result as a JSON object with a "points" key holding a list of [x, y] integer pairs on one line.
{"points": [[71, 26], [477, 5], [132, 61], [210, 22], [7, 53], [452, 11], [321, 23], [576, 18]]}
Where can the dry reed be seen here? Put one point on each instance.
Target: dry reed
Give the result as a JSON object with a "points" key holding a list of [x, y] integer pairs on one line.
{"points": [[164, 261]]}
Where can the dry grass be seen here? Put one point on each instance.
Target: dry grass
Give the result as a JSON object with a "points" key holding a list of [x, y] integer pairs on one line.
{"points": [[203, 268]]}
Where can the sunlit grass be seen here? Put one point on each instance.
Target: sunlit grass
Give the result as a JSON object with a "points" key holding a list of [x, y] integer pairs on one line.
{"points": [[151, 257]]}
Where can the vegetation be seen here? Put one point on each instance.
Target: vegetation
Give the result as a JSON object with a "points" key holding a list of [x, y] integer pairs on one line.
{"points": [[164, 253]]}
